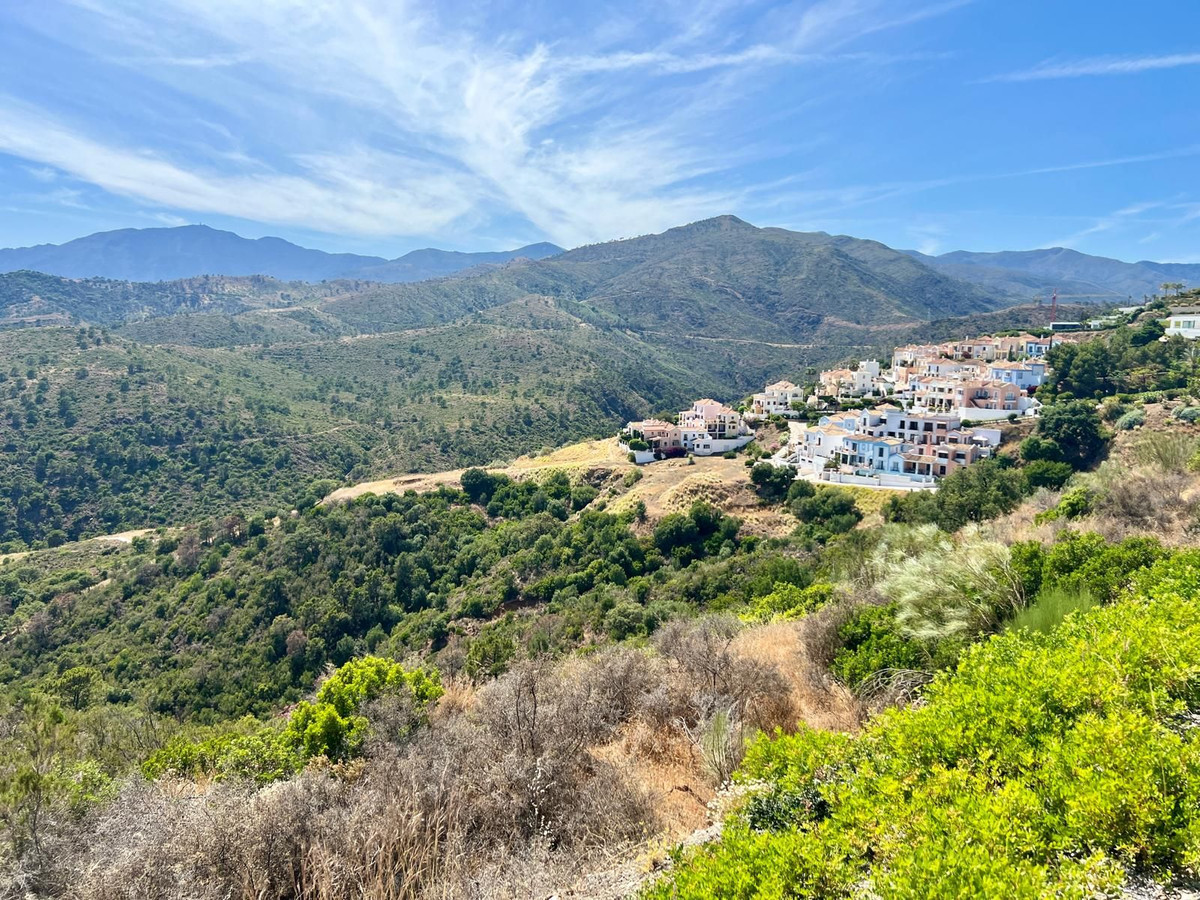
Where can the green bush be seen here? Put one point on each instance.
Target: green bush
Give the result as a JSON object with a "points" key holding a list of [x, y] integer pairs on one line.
{"points": [[1046, 765], [1050, 608], [1075, 428], [1130, 420], [787, 601], [1073, 504], [1047, 473], [982, 491], [770, 481], [872, 642], [330, 726], [823, 511]]}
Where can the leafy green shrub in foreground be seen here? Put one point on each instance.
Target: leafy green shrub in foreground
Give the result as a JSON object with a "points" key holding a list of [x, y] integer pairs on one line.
{"points": [[1047, 765], [872, 642]]}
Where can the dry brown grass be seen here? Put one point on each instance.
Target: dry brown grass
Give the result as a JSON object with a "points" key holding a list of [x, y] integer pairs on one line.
{"points": [[571, 458], [815, 697], [1144, 489], [667, 486], [556, 777]]}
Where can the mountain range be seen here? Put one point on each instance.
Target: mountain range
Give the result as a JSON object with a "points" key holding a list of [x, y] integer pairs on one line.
{"points": [[294, 380], [1025, 274], [718, 279], [166, 254]]}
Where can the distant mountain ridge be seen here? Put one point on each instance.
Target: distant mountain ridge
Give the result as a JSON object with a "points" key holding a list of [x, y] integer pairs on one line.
{"points": [[717, 279], [831, 262], [1022, 274], [187, 251]]}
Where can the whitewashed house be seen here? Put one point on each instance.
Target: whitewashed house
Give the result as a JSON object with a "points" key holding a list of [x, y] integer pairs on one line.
{"points": [[776, 399], [708, 427], [1183, 321]]}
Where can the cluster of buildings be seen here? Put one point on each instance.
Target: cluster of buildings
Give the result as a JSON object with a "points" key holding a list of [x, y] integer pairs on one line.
{"points": [[983, 379], [706, 428], [915, 433], [912, 435], [885, 446]]}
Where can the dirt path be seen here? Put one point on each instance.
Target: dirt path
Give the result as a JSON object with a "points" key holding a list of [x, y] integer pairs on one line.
{"points": [[588, 454], [121, 537], [667, 486], [751, 342]]}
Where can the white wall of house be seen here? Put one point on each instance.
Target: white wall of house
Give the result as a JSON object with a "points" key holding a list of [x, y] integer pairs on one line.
{"points": [[1184, 322], [994, 415], [701, 443]]}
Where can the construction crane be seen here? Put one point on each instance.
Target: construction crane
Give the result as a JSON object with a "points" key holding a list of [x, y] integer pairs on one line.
{"points": [[1054, 306]]}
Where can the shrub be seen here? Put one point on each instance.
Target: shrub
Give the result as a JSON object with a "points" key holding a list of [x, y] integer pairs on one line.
{"points": [[478, 485], [787, 601], [981, 491], [1073, 426], [332, 727], [1113, 408], [956, 589], [872, 642], [1050, 608], [771, 482], [1046, 765], [1168, 451], [1073, 504], [1130, 420], [624, 620], [1188, 414], [825, 512], [1045, 473]]}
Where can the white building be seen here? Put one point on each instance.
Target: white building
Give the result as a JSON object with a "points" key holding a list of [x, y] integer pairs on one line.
{"points": [[1026, 375], [859, 382], [1184, 321], [777, 399], [886, 445], [708, 427]]}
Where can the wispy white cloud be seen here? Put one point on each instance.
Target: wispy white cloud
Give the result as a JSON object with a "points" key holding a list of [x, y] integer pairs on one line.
{"points": [[1100, 65], [44, 174], [169, 220], [829, 201], [355, 192], [1116, 219], [451, 123]]}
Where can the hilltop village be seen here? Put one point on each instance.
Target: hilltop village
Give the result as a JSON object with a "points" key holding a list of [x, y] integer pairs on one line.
{"points": [[932, 411]]}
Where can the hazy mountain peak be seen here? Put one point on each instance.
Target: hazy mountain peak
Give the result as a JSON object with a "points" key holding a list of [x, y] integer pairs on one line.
{"points": [[1023, 274], [726, 222], [184, 251]]}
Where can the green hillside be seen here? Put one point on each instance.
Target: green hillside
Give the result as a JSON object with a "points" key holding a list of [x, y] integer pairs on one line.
{"points": [[718, 278], [104, 434], [217, 392]]}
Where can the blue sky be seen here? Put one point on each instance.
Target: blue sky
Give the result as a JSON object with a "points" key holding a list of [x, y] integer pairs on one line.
{"points": [[379, 126]]}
